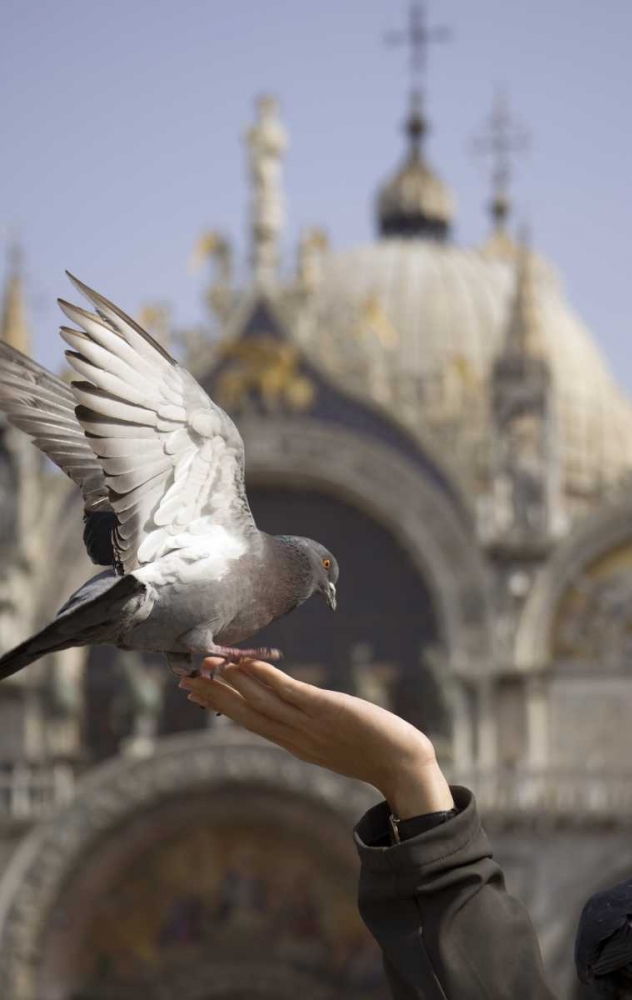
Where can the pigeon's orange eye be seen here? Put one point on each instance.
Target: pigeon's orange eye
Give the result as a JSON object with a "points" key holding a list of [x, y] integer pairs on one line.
{"points": [[326, 563]]}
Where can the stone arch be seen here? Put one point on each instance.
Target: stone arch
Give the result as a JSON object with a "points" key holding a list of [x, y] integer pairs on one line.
{"points": [[607, 529], [371, 475], [110, 804]]}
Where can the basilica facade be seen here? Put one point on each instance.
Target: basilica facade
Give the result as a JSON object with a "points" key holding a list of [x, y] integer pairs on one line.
{"points": [[440, 417]]}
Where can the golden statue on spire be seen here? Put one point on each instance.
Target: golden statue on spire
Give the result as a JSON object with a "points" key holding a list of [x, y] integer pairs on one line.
{"points": [[14, 329]]}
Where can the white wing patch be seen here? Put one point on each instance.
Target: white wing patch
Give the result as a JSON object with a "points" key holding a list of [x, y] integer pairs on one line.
{"points": [[181, 555], [173, 460]]}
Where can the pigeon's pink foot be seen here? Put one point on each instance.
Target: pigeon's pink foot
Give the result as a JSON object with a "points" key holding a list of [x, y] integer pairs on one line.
{"points": [[234, 655]]}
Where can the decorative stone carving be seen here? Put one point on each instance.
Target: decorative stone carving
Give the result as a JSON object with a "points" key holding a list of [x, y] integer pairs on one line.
{"points": [[513, 583], [550, 601], [596, 623], [526, 460], [593, 623], [519, 486]]}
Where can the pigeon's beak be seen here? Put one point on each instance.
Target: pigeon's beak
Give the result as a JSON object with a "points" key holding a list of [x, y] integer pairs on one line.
{"points": [[330, 596]]}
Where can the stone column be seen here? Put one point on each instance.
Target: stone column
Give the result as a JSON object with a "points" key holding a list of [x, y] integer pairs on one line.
{"points": [[486, 724], [462, 728], [537, 723]]}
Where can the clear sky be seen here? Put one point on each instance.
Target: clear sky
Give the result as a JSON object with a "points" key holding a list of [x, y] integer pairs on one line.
{"points": [[122, 125]]}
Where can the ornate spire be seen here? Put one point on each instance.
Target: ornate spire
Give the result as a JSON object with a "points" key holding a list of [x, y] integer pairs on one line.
{"points": [[500, 139], [13, 325], [525, 499], [524, 332], [415, 202], [267, 142]]}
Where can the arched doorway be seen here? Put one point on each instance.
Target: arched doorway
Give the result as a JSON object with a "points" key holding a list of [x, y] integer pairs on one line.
{"points": [[199, 890], [386, 624], [221, 867]]}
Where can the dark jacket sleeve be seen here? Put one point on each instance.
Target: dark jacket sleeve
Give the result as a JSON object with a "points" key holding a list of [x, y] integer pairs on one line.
{"points": [[437, 906]]}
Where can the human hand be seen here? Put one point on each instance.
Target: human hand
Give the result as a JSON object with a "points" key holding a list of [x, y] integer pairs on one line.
{"points": [[334, 730]]}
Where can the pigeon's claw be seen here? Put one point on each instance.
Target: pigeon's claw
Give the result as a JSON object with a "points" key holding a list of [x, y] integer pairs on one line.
{"points": [[181, 664], [233, 655]]}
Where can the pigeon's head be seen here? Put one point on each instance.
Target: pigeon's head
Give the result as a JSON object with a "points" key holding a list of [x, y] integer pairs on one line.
{"points": [[324, 570]]}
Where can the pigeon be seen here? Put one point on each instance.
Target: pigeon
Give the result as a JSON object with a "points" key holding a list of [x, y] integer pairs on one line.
{"points": [[161, 470]]}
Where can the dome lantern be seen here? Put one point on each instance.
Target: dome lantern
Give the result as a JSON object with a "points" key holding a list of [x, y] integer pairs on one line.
{"points": [[415, 202]]}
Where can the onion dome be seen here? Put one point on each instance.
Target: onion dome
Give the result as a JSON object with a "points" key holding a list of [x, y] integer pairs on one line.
{"points": [[431, 319], [415, 202]]}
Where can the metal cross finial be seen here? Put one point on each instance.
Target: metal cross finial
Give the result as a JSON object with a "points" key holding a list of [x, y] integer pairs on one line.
{"points": [[501, 138], [418, 36]]}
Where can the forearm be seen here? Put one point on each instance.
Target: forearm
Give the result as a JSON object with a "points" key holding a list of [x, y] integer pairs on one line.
{"points": [[438, 907]]}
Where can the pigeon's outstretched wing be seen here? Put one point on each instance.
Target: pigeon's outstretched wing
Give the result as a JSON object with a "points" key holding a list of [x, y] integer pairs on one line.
{"points": [[43, 406], [173, 461]]}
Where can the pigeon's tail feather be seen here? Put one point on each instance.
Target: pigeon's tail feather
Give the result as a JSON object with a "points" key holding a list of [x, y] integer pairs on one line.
{"points": [[86, 623], [49, 640]]}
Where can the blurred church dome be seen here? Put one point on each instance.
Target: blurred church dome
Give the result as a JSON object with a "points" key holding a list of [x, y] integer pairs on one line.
{"points": [[436, 315], [416, 323], [418, 326]]}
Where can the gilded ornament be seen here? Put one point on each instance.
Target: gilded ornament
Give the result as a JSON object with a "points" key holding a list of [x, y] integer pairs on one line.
{"points": [[156, 317], [268, 369], [373, 319]]}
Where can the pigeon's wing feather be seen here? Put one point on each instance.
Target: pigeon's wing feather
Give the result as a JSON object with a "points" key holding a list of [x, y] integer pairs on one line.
{"points": [[173, 460], [43, 406]]}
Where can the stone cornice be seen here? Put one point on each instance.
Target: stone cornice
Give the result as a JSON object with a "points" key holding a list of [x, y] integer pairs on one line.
{"points": [[526, 798]]}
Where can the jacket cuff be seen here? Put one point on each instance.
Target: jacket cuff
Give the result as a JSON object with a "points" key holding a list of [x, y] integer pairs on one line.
{"points": [[430, 850]]}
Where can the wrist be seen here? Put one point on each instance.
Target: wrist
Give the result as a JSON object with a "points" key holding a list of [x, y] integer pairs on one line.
{"points": [[417, 789]]}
